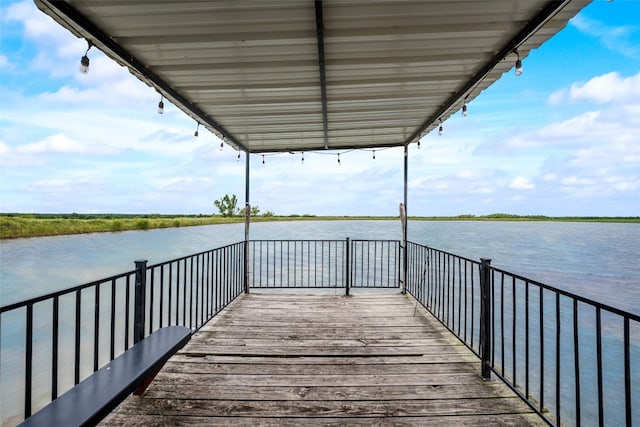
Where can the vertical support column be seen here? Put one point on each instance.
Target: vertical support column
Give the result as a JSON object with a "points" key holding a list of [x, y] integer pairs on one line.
{"points": [[347, 266], [404, 219], [485, 317], [138, 301], [247, 220]]}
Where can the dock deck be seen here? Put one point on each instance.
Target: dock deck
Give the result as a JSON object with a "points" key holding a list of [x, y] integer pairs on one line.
{"points": [[294, 359]]}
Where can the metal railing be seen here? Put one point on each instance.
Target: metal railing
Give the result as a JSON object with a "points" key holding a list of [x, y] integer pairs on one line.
{"points": [[325, 264], [50, 343], [572, 359]]}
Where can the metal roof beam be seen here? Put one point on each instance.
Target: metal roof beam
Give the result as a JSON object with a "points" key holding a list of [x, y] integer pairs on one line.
{"points": [[321, 67]]}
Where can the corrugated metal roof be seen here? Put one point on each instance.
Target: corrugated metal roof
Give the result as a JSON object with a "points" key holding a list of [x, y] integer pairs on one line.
{"points": [[299, 75]]}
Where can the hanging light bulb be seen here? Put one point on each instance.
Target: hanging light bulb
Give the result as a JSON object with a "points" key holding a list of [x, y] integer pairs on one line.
{"points": [[195, 134], [518, 71], [221, 146], [440, 128], [238, 155], [339, 163], [161, 105], [303, 157], [374, 154], [464, 108], [418, 144], [263, 159], [84, 61]]}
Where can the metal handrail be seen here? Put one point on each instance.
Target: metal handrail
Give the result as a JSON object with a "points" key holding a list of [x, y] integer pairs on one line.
{"points": [[525, 332], [535, 337], [59, 339]]}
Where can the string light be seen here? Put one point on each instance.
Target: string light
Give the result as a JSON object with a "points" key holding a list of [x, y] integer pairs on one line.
{"points": [[238, 155], [84, 61], [195, 134], [518, 71], [221, 146], [161, 105], [374, 154], [303, 157], [464, 108], [440, 128], [418, 144], [263, 159], [339, 163]]}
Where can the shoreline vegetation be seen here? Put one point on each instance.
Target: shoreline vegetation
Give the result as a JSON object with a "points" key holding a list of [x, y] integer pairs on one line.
{"points": [[16, 225]]}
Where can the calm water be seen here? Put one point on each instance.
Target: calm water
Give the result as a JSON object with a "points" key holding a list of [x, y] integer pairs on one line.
{"points": [[599, 260]]}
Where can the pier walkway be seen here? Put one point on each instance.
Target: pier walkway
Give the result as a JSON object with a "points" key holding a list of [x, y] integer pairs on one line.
{"points": [[294, 359]]}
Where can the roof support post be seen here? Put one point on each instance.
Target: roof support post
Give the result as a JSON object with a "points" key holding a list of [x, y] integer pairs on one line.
{"points": [[321, 67], [247, 219], [404, 218]]}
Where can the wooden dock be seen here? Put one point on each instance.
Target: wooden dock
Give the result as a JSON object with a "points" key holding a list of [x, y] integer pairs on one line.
{"points": [[274, 359]]}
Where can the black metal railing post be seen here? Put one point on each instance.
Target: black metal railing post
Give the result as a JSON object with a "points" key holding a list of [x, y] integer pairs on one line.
{"points": [[139, 303], [485, 317], [347, 269]]}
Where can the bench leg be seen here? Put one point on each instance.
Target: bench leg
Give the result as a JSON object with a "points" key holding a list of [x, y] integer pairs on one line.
{"points": [[143, 387]]}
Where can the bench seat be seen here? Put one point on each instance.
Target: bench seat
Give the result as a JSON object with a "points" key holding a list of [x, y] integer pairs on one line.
{"points": [[96, 396]]}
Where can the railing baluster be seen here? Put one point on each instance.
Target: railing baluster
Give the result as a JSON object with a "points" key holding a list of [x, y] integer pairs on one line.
{"points": [[161, 302], [526, 339], [502, 362], [627, 373], [96, 327], [541, 319], [558, 340], [599, 366], [576, 360], [112, 326], [55, 325], [78, 319], [28, 362], [127, 309], [515, 323]]}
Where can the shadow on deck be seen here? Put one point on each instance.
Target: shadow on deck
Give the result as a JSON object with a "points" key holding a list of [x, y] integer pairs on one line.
{"points": [[296, 359]]}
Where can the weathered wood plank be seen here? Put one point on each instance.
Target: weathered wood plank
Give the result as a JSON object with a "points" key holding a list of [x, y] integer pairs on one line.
{"points": [[452, 357], [317, 369], [277, 408], [474, 420], [295, 392]]}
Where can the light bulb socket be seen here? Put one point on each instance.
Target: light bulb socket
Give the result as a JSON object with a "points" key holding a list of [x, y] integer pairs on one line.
{"points": [[518, 67], [160, 107], [84, 64], [464, 110]]}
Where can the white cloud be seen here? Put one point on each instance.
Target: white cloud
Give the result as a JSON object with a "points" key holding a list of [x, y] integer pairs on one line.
{"points": [[609, 87], [606, 88], [57, 143], [521, 183], [615, 38]]}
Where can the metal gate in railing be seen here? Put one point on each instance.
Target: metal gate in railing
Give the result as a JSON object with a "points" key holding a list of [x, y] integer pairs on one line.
{"points": [[324, 264]]}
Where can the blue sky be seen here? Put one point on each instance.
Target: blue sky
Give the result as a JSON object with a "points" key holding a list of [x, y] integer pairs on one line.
{"points": [[562, 139]]}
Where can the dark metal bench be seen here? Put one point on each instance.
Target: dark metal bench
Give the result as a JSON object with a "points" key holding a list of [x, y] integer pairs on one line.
{"points": [[93, 398]]}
